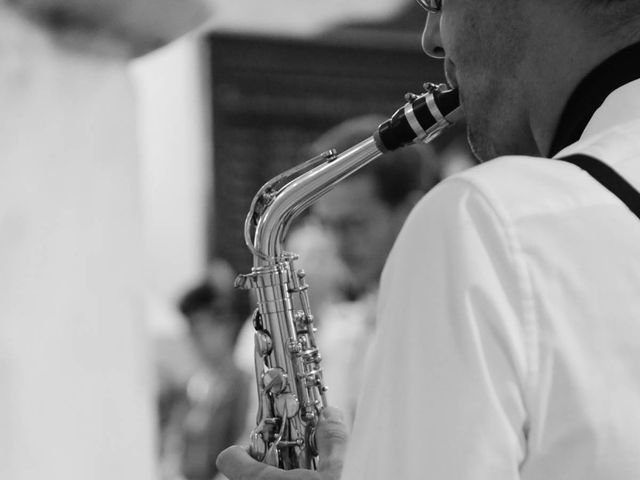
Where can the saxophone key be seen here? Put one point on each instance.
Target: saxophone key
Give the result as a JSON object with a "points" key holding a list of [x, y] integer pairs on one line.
{"points": [[312, 378], [286, 405], [275, 380], [304, 318], [298, 442], [256, 320], [312, 355], [263, 343], [245, 281], [258, 447], [294, 347]]}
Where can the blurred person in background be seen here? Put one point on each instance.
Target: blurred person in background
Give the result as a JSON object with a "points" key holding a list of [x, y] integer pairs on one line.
{"points": [[208, 413], [76, 399], [363, 215]]}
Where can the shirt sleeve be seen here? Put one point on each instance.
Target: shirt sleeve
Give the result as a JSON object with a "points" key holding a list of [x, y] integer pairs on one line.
{"points": [[444, 388]]}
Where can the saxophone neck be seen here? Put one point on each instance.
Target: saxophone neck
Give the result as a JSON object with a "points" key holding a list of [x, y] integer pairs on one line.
{"points": [[278, 202], [281, 207]]}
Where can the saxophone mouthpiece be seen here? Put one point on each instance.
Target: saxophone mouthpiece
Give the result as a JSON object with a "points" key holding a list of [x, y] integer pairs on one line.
{"points": [[422, 118]]}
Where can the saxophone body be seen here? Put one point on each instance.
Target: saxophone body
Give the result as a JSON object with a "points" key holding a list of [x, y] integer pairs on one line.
{"points": [[290, 387]]}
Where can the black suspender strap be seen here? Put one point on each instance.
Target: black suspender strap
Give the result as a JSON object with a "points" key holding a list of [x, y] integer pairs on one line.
{"points": [[608, 177]]}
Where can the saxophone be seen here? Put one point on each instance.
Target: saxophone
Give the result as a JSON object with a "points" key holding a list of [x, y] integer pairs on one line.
{"points": [[291, 390]]}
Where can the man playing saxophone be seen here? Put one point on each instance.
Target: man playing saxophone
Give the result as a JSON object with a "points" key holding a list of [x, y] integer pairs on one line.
{"points": [[508, 342]]}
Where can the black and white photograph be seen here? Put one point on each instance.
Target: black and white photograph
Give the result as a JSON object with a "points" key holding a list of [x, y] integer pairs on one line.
{"points": [[319, 240]]}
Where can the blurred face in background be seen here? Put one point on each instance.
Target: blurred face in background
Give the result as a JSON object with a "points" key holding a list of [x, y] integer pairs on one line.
{"points": [[363, 225], [212, 337]]}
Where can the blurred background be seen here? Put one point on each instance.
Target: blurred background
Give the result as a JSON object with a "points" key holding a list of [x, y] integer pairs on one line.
{"points": [[133, 136]]}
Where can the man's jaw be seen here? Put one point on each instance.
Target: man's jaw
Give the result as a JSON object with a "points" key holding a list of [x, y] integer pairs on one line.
{"points": [[450, 73]]}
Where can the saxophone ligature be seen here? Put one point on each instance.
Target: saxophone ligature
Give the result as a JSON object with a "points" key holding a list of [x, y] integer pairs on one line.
{"points": [[291, 390]]}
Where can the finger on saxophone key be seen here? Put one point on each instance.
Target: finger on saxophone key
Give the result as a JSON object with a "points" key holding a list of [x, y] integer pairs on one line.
{"points": [[236, 464], [331, 438]]}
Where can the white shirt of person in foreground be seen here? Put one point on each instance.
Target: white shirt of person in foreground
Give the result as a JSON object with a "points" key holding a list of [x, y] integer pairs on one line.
{"points": [[508, 341], [518, 351]]}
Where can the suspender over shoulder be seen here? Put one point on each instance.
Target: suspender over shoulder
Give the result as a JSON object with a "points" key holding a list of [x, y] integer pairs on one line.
{"points": [[609, 178]]}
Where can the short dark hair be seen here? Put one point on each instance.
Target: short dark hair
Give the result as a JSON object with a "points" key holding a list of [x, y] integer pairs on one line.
{"points": [[216, 293], [396, 174], [201, 297], [224, 311]]}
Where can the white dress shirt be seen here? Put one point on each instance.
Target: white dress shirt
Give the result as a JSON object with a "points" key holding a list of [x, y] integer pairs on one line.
{"points": [[508, 342]]}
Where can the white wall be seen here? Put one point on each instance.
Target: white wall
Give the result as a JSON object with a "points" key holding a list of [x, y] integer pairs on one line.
{"points": [[74, 377], [175, 168]]}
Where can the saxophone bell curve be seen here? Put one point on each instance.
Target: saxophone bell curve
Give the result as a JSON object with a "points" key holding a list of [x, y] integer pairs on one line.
{"points": [[290, 386]]}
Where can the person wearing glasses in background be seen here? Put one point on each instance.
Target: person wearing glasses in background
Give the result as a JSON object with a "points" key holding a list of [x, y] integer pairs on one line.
{"points": [[508, 344]]}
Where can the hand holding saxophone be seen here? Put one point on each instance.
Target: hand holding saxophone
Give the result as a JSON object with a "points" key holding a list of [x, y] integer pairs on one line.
{"points": [[331, 437]]}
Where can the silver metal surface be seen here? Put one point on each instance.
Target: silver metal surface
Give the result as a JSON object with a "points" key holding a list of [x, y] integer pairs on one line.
{"points": [[289, 379]]}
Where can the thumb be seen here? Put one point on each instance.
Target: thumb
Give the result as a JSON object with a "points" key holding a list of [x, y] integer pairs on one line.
{"points": [[236, 463], [331, 438]]}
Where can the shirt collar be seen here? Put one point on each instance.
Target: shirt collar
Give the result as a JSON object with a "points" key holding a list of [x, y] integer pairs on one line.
{"points": [[618, 70]]}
